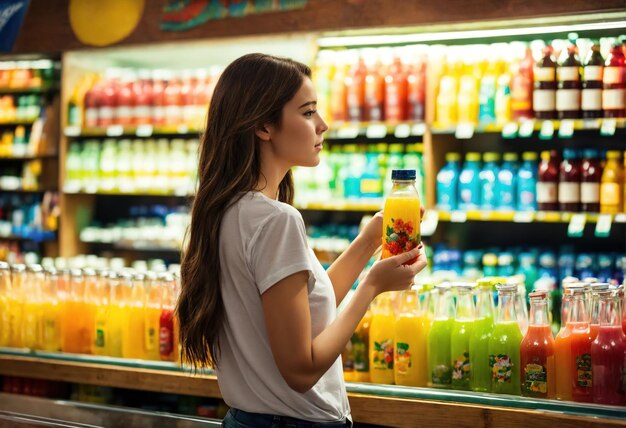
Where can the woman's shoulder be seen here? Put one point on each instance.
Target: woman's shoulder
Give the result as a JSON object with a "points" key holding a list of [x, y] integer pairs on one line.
{"points": [[256, 208]]}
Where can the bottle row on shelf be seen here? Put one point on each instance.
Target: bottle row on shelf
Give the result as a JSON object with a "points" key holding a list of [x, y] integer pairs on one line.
{"points": [[27, 75], [20, 108], [20, 142], [130, 97], [21, 178], [123, 313], [452, 337], [582, 181], [29, 217]]}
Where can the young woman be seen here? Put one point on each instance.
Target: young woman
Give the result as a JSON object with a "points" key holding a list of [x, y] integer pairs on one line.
{"points": [[256, 304]]}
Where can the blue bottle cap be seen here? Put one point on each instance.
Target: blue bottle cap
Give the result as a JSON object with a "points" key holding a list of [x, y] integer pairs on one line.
{"points": [[403, 174], [570, 154]]}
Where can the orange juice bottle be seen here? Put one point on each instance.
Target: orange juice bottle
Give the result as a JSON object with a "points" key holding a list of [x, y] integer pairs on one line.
{"points": [[401, 223], [5, 305], [102, 313], [72, 313], [406, 368], [381, 340], [133, 335], [580, 339], [152, 315], [31, 306], [18, 274], [114, 322], [50, 328], [563, 347], [168, 332], [611, 184], [88, 310]]}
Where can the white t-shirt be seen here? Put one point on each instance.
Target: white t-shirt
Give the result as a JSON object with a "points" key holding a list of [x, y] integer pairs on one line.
{"points": [[261, 242]]}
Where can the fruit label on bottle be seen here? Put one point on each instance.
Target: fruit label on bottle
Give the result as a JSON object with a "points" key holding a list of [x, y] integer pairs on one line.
{"points": [[359, 353], [383, 355], [536, 378], [461, 368], [546, 192], [590, 193], [501, 368], [591, 99], [593, 73], [399, 237], [544, 100], [613, 99], [544, 74], [583, 371], [568, 74], [612, 75], [441, 375], [402, 358], [99, 338], [569, 192], [609, 194]]}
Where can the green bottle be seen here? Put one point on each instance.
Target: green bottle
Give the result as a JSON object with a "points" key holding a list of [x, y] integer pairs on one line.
{"points": [[460, 334], [439, 367], [480, 374]]}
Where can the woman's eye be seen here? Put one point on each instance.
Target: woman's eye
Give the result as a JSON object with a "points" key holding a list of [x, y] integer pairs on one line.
{"points": [[310, 113]]}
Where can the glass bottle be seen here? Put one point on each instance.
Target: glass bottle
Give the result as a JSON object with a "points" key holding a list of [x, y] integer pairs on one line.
{"points": [[439, 356], [580, 344], [590, 182], [6, 305], [381, 340], [569, 182], [402, 215], [480, 374], [608, 353], [593, 306], [537, 351], [612, 183], [355, 91], [396, 87], [548, 181], [406, 367], [568, 89], [168, 334], [504, 344], [16, 307], [460, 334], [522, 88], [591, 97], [613, 83], [544, 93]]}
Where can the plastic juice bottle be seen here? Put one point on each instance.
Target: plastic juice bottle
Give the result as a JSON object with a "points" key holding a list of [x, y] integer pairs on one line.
{"points": [[537, 351], [569, 182], [101, 320], [527, 183], [590, 178], [613, 83], [439, 356], [374, 89], [480, 374], [396, 92], [448, 183], [488, 177], [467, 100], [338, 106], [591, 96], [406, 366], [487, 95], [504, 344], [402, 215], [168, 335], [152, 315], [460, 335], [416, 87], [611, 185], [503, 99], [446, 107], [381, 341], [322, 81], [50, 339], [355, 91], [6, 301], [133, 336], [506, 184], [548, 181], [568, 86], [116, 315], [544, 93], [469, 183], [608, 353], [580, 339], [522, 87]]}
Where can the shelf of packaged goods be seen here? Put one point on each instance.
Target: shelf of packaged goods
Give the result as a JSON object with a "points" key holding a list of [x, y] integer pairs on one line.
{"points": [[127, 194], [522, 217], [39, 239], [547, 129], [348, 131], [13, 123], [358, 206], [403, 406], [27, 157], [142, 247], [141, 131], [31, 91]]}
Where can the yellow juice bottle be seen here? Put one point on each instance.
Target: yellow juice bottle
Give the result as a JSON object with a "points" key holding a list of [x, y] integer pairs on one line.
{"points": [[381, 340], [88, 311], [425, 319], [114, 323], [611, 184], [72, 313], [101, 319], [50, 327], [408, 323], [133, 335], [5, 304], [31, 306], [152, 316], [15, 301], [401, 222]]}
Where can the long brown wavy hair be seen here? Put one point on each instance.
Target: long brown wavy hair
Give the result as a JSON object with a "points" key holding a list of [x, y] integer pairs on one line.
{"points": [[250, 93]]}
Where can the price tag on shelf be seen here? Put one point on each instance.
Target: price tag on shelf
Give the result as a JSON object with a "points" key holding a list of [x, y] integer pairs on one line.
{"points": [[348, 132], [182, 129], [418, 130], [458, 217], [603, 226], [526, 128], [115, 131], [144, 131], [608, 127], [566, 129], [620, 218], [523, 217], [591, 123], [576, 225], [510, 130], [430, 222], [547, 130], [376, 130], [72, 131], [464, 131], [402, 131]]}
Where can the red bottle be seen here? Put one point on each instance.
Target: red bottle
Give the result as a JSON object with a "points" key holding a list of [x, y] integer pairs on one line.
{"points": [[374, 92], [544, 91], [590, 179], [355, 91], [158, 98], [166, 334], [188, 85], [396, 92], [522, 88], [108, 103], [548, 182], [581, 368], [173, 100], [142, 90], [591, 98], [569, 182], [125, 108], [613, 83], [93, 99], [608, 354], [568, 86], [416, 91]]}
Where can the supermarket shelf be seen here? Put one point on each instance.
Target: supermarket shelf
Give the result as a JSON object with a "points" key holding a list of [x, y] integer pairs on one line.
{"points": [[347, 131], [38, 239], [521, 217], [142, 131], [28, 157], [26, 191], [404, 406], [33, 91], [17, 123], [129, 194], [370, 206], [142, 247]]}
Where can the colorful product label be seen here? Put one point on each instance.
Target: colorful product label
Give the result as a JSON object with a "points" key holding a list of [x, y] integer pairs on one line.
{"points": [[399, 237], [501, 368], [99, 338], [461, 368], [383, 355], [402, 358], [442, 375], [583, 371], [536, 378], [166, 340], [359, 353]]}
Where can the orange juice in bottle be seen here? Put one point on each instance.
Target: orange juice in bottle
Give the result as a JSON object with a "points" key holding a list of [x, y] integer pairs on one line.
{"points": [[611, 184], [31, 306], [5, 305], [381, 340], [18, 274], [102, 313], [115, 318], [152, 315], [407, 370], [88, 310], [133, 340], [401, 223], [50, 328]]}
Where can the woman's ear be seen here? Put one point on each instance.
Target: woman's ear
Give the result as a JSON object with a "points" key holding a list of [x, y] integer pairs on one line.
{"points": [[263, 133]]}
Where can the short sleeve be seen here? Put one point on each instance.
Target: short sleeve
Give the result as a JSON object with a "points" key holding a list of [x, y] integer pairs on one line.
{"points": [[279, 249]]}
